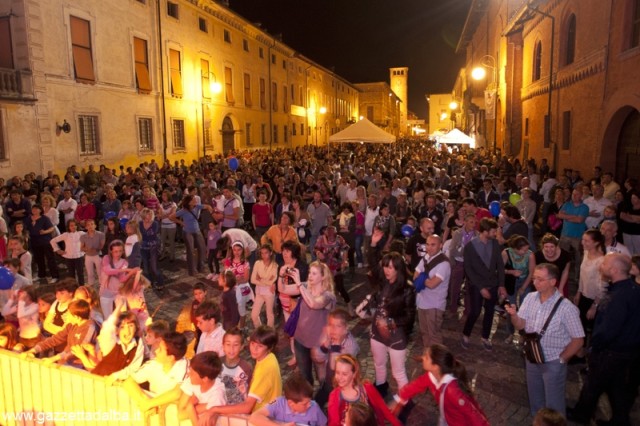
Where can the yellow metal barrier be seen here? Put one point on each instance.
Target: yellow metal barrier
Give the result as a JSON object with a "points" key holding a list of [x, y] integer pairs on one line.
{"points": [[32, 393]]}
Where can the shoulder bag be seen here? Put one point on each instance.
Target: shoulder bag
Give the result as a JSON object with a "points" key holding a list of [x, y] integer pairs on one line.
{"points": [[532, 346]]}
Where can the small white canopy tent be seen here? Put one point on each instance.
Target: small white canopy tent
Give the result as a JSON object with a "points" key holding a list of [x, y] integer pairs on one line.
{"points": [[456, 137], [363, 131]]}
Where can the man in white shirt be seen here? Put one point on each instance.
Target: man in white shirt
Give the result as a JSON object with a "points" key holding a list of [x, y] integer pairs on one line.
{"points": [[431, 280], [596, 203], [351, 193], [67, 206]]}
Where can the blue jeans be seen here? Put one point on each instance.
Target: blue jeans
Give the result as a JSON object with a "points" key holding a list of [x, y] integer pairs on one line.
{"points": [[358, 248], [303, 357], [546, 386], [194, 242], [151, 268]]}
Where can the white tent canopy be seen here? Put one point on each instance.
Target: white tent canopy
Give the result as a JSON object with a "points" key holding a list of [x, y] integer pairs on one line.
{"points": [[455, 136], [363, 131]]}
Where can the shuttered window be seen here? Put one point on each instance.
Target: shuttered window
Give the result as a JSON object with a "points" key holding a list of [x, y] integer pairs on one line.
{"points": [[175, 72], [247, 90], [141, 57], [81, 46], [205, 79], [6, 50], [263, 97], [228, 82]]}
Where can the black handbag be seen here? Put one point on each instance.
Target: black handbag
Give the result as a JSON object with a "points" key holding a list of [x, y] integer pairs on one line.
{"points": [[532, 346]]}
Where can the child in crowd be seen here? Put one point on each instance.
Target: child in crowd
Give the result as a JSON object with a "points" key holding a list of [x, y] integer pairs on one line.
{"points": [[18, 251], [165, 374], [89, 294], [132, 244], [265, 272], [23, 305], [186, 321], [78, 330], [336, 340], [9, 337], [230, 313], [57, 316], [236, 372], [120, 347], [237, 263], [45, 301], [131, 295], [19, 281], [208, 321], [72, 254], [203, 389], [266, 383], [155, 332], [294, 407], [446, 378], [213, 235]]}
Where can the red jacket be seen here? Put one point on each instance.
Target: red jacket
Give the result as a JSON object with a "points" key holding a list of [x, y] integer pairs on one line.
{"points": [[337, 407], [459, 408]]}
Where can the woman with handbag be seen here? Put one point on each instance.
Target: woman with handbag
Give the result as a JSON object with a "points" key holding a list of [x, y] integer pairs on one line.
{"points": [[291, 253], [350, 389], [316, 301], [519, 264], [446, 378], [394, 303]]}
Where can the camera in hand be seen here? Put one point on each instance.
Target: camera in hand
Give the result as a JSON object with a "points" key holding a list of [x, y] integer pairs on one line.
{"points": [[290, 270], [504, 303]]}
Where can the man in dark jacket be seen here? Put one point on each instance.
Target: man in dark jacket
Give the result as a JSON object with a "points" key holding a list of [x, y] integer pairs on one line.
{"points": [[484, 269]]}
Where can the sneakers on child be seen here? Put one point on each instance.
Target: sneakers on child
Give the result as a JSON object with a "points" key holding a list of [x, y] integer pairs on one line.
{"points": [[486, 344]]}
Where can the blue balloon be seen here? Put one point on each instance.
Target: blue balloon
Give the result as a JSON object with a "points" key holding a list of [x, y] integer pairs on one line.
{"points": [[109, 215], [407, 230], [6, 278], [123, 222], [494, 208], [233, 163]]}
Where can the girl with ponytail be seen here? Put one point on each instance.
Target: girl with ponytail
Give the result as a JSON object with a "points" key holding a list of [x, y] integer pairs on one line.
{"points": [[446, 378]]}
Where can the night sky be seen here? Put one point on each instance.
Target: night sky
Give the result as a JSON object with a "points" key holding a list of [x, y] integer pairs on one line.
{"points": [[362, 39]]}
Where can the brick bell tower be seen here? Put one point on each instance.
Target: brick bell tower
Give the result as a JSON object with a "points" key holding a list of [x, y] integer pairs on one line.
{"points": [[399, 79]]}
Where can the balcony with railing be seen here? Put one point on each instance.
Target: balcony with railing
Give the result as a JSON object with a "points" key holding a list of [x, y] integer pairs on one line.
{"points": [[16, 84]]}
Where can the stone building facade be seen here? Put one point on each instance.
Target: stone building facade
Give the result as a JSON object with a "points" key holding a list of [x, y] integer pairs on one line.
{"points": [[125, 81], [565, 74], [380, 105]]}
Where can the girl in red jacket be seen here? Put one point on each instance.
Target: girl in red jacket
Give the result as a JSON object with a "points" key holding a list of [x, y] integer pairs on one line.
{"points": [[446, 378], [350, 389]]}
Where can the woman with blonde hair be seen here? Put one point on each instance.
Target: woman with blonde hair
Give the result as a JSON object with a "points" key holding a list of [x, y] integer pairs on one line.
{"points": [[316, 301], [49, 210]]}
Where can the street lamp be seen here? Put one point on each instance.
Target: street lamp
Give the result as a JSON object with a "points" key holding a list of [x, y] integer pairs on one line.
{"points": [[480, 73], [209, 88]]}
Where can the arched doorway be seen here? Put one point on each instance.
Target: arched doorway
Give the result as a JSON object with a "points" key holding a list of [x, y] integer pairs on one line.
{"points": [[628, 152], [228, 139]]}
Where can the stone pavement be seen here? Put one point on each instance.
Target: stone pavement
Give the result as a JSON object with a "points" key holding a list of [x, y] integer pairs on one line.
{"points": [[498, 376]]}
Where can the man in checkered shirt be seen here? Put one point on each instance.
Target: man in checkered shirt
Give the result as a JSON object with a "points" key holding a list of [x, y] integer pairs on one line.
{"points": [[562, 340]]}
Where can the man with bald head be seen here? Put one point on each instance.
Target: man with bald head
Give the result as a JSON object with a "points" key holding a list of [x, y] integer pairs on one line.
{"points": [[615, 344], [431, 280]]}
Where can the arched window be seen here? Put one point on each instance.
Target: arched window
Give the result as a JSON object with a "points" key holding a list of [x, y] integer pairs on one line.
{"points": [[537, 62], [570, 40]]}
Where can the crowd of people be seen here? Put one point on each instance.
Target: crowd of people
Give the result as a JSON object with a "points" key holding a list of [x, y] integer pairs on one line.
{"points": [[437, 231]]}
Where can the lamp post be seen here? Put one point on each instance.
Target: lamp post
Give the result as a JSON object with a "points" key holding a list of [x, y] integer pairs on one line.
{"points": [[209, 88], [321, 111], [479, 73]]}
